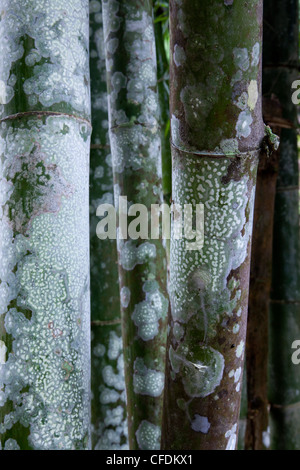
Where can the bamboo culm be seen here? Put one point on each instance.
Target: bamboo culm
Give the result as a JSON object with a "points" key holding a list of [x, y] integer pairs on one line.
{"points": [[216, 134], [44, 251], [135, 141], [108, 418]]}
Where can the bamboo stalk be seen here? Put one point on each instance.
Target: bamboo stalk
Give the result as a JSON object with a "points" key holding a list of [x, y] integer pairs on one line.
{"points": [[108, 418], [44, 252], [136, 155], [216, 129]]}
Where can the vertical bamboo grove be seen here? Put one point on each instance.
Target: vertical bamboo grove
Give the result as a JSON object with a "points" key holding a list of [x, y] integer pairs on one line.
{"points": [[109, 425], [44, 252], [216, 131], [280, 70], [136, 155]]}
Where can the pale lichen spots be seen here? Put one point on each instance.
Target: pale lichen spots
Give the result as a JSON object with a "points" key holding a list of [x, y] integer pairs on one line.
{"points": [[11, 444], [3, 350], [178, 331], [112, 430], [6, 93], [236, 374], [99, 350], [179, 55], [236, 328], [48, 355], [94, 6], [125, 296], [266, 437], [240, 349], [118, 81], [253, 94], [114, 346], [112, 45], [200, 424], [147, 381], [126, 145], [132, 254], [242, 101], [146, 314], [255, 54], [232, 438], [228, 147], [243, 124], [110, 18], [237, 77], [241, 58], [201, 371], [148, 436], [112, 379], [108, 395]]}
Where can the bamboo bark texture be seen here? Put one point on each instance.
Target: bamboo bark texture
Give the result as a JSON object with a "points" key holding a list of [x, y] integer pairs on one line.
{"points": [[136, 158], [44, 250], [108, 418], [216, 134]]}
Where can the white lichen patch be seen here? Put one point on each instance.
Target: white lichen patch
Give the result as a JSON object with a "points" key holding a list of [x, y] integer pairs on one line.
{"points": [[232, 438], [240, 349], [241, 58], [179, 55], [229, 146], [255, 54], [115, 346], [11, 444], [58, 58], [266, 437], [252, 94], [110, 432], [148, 436], [3, 350], [146, 314], [201, 370], [108, 396], [114, 379], [132, 254], [125, 296], [236, 374], [200, 424], [147, 381], [243, 125]]}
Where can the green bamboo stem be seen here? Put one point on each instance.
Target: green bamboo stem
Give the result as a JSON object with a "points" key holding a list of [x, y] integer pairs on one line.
{"points": [[135, 147], [216, 129], [108, 419], [280, 70], [44, 252]]}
